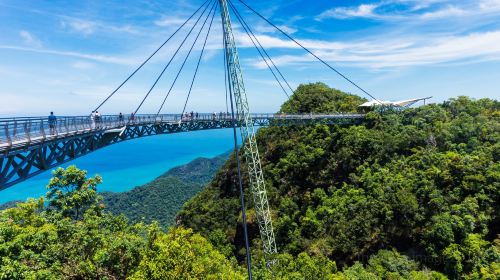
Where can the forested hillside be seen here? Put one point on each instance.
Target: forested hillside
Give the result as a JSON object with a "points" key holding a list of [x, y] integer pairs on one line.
{"points": [[9, 204], [394, 198], [161, 199], [405, 195]]}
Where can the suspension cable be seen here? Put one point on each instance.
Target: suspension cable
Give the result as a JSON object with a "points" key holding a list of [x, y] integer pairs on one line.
{"points": [[175, 54], [149, 58], [199, 60], [310, 52], [243, 22], [184, 63], [225, 70], [238, 160]]}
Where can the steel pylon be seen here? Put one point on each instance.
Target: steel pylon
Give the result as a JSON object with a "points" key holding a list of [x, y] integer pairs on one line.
{"points": [[247, 130]]}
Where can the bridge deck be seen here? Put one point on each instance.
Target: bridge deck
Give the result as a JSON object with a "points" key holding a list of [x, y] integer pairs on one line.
{"points": [[29, 146], [21, 133]]}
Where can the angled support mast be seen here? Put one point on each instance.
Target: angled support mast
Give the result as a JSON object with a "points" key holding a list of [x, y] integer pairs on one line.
{"points": [[247, 131]]}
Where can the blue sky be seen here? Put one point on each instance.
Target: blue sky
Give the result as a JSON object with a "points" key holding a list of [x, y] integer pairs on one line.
{"points": [[66, 56]]}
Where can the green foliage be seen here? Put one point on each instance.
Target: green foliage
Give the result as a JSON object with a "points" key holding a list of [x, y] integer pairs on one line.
{"points": [[357, 271], [38, 244], [319, 98], [424, 182], [389, 264], [71, 193], [72, 238], [217, 214], [161, 199], [180, 254], [302, 266]]}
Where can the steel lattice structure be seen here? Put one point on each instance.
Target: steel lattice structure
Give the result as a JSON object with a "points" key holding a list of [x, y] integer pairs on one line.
{"points": [[247, 130]]}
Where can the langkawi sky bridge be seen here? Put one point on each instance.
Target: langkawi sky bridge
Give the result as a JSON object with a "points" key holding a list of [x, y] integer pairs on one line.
{"points": [[31, 145]]}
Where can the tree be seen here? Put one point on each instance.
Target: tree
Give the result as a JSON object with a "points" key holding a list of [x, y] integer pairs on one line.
{"points": [[319, 98], [71, 192], [181, 254], [391, 263]]}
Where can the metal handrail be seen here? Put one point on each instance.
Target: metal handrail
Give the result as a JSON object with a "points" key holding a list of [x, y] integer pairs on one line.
{"points": [[27, 129]]}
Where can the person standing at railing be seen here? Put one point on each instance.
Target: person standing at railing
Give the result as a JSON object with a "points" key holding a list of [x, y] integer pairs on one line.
{"points": [[120, 118], [92, 120], [132, 117], [52, 123], [98, 119]]}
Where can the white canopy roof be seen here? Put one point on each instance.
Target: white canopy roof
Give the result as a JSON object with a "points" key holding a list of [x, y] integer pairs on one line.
{"points": [[402, 103]]}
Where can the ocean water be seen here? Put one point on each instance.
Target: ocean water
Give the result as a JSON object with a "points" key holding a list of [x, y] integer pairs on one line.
{"points": [[133, 163]]}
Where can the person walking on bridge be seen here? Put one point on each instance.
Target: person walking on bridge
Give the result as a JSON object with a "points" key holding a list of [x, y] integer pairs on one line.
{"points": [[52, 123]]}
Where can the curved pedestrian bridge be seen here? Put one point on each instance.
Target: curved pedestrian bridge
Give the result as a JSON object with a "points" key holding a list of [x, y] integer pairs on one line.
{"points": [[31, 145]]}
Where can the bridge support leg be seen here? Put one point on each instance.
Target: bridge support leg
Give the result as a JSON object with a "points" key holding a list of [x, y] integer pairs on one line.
{"points": [[247, 130]]}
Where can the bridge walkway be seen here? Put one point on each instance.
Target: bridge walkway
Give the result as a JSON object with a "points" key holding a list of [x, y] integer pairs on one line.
{"points": [[29, 146]]}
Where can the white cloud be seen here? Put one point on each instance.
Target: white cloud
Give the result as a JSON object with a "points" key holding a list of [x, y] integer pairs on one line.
{"points": [[407, 51], [125, 29], [450, 11], [490, 5], [85, 27], [94, 57], [268, 41], [363, 10], [270, 29], [88, 27], [170, 21], [82, 65], [30, 39], [420, 5], [414, 10]]}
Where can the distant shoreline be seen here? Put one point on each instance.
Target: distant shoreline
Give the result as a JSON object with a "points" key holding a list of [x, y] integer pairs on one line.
{"points": [[225, 155]]}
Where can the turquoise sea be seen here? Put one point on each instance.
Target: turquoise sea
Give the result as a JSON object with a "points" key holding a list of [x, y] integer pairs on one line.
{"points": [[133, 163]]}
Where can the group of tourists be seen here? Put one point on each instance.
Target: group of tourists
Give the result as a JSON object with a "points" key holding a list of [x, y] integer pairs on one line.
{"points": [[96, 119], [190, 116], [220, 115]]}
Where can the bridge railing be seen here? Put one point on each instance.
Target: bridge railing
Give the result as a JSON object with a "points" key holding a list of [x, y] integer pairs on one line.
{"points": [[25, 130]]}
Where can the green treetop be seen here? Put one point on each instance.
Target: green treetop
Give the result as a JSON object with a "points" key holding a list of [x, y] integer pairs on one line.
{"points": [[319, 98]]}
